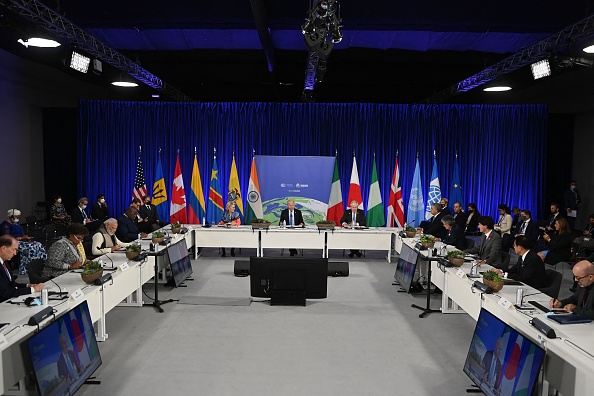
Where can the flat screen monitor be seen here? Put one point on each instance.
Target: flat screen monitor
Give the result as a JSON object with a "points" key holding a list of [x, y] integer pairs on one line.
{"points": [[406, 267], [179, 260], [286, 274], [65, 354], [501, 361]]}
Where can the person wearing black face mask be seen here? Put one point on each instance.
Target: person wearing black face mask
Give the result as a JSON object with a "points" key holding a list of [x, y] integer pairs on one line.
{"points": [[472, 220]]}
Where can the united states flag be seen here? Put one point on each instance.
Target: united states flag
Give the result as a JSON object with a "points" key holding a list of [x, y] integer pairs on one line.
{"points": [[139, 183]]}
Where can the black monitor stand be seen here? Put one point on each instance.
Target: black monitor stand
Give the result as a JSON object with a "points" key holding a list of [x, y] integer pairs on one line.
{"points": [[427, 309], [156, 302]]}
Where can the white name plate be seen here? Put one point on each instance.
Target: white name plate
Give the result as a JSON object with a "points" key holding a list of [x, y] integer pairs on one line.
{"points": [[460, 274], [505, 303], [124, 267], [77, 295]]}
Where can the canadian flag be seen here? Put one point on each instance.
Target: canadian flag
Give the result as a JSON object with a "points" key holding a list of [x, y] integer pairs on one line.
{"points": [[178, 197]]}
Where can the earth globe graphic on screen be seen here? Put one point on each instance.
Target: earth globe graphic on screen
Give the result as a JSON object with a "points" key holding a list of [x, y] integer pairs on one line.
{"points": [[311, 209]]}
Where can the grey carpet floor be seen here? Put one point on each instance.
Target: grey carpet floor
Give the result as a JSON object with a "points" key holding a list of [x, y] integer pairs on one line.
{"points": [[364, 339]]}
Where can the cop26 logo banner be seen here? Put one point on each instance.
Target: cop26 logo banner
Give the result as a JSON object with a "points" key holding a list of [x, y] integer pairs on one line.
{"points": [[306, 180]]}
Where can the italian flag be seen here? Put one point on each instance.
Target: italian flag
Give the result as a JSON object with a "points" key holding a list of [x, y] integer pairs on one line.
{"points": [[355, 187], [335, 207], [375, 208]]}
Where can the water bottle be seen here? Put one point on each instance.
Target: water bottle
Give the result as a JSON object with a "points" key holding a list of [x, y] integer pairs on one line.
{"points": [[203, 220], [283, 225], [444, 250], [44, 297], [353, 224], [519, 296], [100, 262]]}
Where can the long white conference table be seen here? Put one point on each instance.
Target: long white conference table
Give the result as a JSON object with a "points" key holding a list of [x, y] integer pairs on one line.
{"points": [[324, 240], [569, 361], [125, 289]]}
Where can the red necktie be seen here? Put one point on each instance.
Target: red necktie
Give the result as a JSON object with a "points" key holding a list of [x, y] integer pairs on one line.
{"points": [[7, 271]]}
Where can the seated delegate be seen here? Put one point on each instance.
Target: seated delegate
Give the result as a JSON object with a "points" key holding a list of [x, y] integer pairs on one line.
{"points": [[29, 249], [9, 288], [105, 239], [582, 301], [67, 253], [127, 230], [230, 217], [353, 217]]}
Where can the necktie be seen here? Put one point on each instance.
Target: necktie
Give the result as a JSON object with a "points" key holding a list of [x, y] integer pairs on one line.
{"points": [[523, 229], [7, 271], [290, 218], [148, 207], [482, 248], [84, 213], [520, 261], [354, 217], [70, 366]]}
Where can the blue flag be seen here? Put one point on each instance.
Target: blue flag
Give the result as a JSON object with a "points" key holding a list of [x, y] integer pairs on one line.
{"points": [[215, 206], [416, 203], [456, 194], [160, 193], [434, 194]]}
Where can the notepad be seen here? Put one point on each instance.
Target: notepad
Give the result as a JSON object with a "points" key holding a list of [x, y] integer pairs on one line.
{"points": [[569, 318]]}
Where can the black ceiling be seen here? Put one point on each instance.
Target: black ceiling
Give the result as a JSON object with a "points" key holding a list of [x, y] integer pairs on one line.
{"points": [[393, 51]]}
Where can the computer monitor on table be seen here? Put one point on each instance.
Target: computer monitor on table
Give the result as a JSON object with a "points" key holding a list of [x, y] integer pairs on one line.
{"points": [[179, 261], [406, 267], [293, 279], [502, 361], [64, 354]]}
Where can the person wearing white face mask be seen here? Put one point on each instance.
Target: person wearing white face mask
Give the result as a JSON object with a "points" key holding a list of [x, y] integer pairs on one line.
{"points": [[29, 249], [58, 211], [100, 211], [572, 202], [79, 214]]}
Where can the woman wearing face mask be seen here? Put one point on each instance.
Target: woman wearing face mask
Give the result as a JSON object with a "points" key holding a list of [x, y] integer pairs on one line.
{"points": [[29, 249], [58, 211], [472, 220], [100, 211]]}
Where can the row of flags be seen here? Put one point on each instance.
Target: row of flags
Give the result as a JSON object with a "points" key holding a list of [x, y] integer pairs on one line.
{"points": [[194, 210]]}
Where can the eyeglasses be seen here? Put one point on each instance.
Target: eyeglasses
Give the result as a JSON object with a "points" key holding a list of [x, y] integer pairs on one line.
{"points": [[579, 278], [80, 239]]}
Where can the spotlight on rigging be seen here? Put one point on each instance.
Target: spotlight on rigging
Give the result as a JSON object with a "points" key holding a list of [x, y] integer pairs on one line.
{"points": [[541, 69], [79, 62]]}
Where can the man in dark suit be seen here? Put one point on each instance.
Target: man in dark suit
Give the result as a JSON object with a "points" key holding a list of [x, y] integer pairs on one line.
{"points": [[127, 230], [572, 202], [445, 209], [69, 366], [79, 214], [434, 226], [100, 211], [355, 216], [9, 288], [493, 365], [527, 227], [149, 212], [489, 247], [455, 235], [530, 268], [582, 301], [459, 215], [292, 218], [548, 225]]}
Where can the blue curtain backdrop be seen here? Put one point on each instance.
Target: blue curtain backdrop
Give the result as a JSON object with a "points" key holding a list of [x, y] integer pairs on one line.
{"points": [[501, 148]]}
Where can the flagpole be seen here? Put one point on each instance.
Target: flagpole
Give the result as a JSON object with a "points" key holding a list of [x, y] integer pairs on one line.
{"points": [[215, 153]]}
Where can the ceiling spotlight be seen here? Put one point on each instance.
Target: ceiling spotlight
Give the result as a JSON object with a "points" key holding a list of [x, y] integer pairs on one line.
{"points": [[589, 50], [498, 88], [80, 62], [124, 81], [541, 69], [39, 42]]}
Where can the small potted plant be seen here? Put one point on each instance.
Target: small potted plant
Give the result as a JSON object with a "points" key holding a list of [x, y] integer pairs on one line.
{"points": [[326, 224], [92, 271], [132, 251], [493, 280], [260, 223], [176, 227], [456, 258], [410, 231], [428, 241], [158, 237]]}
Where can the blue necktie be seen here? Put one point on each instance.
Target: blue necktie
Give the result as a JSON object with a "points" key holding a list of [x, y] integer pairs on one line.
{"points": [[290, 218]]}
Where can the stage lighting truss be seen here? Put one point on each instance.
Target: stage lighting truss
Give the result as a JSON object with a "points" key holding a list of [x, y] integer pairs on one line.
{"points": [[321, 28], [79, 62]]}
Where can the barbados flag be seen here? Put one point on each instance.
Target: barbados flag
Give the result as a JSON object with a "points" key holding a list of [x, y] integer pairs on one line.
{"points": [[160, 192], [215, 209], [197, 209]]}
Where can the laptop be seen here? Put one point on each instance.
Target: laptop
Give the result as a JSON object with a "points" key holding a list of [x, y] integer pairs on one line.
{"points": [[569, 318]]}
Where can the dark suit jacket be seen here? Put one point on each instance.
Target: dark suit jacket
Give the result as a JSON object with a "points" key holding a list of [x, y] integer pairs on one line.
{"points": [[487, 359], [531, 271], [9, 288], [455, 237], [446, 211], [460, 219], [63, 367], [473, 224], [100, 212], [296, 221], [76, 215], [531, 232], [488, 249], [571, 202], [578, 298], [559, 248], [127, 231], [347, 217], [435, 227], [152, 215]]}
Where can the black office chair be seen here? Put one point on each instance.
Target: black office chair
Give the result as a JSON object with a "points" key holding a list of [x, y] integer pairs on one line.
{"points": [[505, 258], [555, 278], [469, 243], [34, 269]]}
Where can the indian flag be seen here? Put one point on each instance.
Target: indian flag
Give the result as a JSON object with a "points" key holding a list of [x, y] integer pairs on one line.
{"points": [[254, 207]]}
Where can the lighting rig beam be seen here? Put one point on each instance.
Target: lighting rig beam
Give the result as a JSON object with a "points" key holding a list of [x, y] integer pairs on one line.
{"points": [[49, 20], [581, 30]]}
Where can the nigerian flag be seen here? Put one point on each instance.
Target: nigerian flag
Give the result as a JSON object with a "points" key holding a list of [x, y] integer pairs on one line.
{"points": [[375, 208]]}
